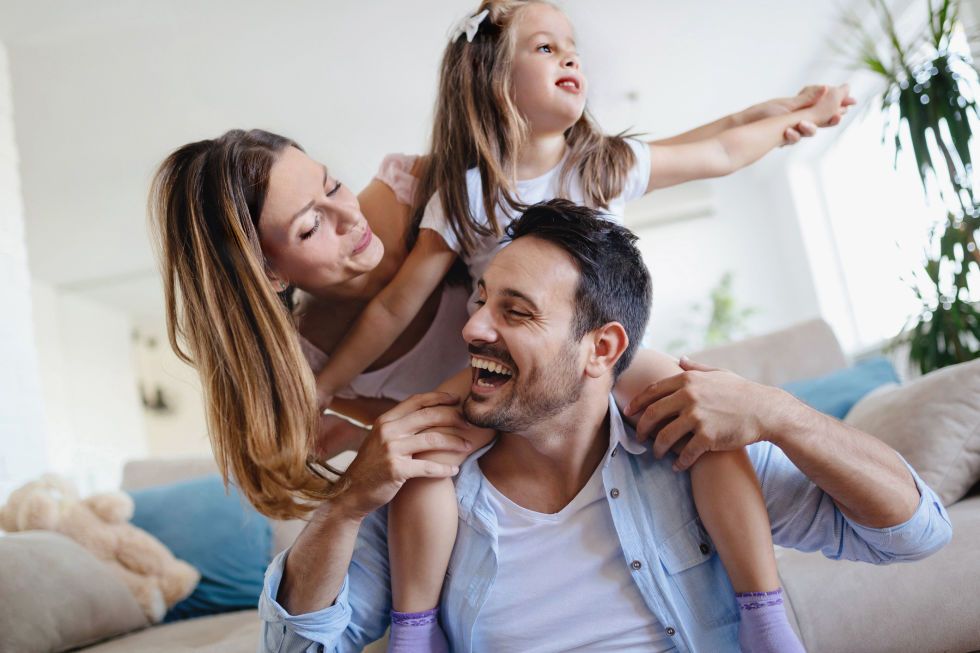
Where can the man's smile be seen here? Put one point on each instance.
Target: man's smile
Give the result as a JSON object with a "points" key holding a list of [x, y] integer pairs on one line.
{"points": [[488, 375]]}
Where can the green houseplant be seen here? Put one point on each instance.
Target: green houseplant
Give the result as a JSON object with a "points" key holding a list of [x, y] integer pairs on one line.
{"points": [[931, 89]]}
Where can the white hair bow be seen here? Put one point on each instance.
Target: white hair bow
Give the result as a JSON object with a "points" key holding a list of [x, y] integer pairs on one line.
{"points": [[469, 26]]}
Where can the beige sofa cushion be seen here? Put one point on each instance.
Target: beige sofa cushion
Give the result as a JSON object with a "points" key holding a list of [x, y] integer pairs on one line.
{"points": [[925, 606], [55, 595], [802, 351], [934, 422]]}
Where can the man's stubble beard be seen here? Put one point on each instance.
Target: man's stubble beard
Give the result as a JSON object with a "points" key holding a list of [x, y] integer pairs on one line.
{"points": [[543, 394]]}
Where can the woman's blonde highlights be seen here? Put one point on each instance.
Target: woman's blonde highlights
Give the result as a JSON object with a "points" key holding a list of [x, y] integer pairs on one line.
{"points": [[224, 318]]}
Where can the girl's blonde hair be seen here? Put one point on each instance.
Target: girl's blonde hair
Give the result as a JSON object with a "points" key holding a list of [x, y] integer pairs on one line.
{"points": [[477, 125], [224, 318]]}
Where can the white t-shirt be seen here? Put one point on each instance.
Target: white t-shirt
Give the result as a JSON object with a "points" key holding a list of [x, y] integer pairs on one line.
{"points": [[575, 588], [529, 191]]}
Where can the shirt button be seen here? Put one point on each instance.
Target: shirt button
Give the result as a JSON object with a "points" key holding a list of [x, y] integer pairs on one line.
{"points": [[670, 631], [614, 452], [705, 549], [636, 564], [614, 493], [319, 649]]}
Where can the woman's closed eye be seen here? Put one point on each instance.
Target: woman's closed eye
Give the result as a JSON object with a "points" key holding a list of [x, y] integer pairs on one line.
{"points": [[333, 191], [316, 225]]}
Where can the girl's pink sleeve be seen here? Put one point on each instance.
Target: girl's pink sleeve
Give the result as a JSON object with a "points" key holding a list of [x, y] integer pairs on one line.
{"points": [[396, 172]]}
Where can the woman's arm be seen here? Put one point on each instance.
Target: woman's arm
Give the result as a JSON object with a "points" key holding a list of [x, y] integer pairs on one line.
{"points": [[726, 149], [388, 314]]}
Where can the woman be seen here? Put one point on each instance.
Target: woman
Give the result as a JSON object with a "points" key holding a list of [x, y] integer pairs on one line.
{"points": [[247, 223]]}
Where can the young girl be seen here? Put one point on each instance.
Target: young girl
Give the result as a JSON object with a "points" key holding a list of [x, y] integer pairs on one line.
{"points": [[511, 130]]}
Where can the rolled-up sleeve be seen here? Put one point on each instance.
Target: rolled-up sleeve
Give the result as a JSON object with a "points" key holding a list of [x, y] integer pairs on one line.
{"points": [[358, 616], [285, 633], [805, 517]]}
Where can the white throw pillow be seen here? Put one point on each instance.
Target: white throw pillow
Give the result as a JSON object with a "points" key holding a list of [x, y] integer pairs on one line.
{"points": [[934, 422]]}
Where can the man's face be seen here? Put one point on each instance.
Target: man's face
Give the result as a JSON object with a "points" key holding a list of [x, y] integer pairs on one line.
{"points": [[526, 366]]}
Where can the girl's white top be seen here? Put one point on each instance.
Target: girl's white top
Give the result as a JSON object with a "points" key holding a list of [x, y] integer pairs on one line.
{"points": [[529, 191]]}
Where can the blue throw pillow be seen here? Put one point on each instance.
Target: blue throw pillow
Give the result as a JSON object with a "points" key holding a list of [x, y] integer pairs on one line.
{"points": [[837, 392], [220, 534]]}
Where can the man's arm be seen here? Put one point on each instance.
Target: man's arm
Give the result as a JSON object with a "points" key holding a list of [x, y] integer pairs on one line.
{"points": [[865, 478], [305, 595]]}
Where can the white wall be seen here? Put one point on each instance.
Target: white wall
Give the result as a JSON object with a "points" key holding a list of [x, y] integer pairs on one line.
{"points": [[181, 430], [754, 234], [22, 446], [88, 381]]}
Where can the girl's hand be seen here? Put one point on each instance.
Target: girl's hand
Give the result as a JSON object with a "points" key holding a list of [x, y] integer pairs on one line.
{"points": [[832, 104], [807, 97], [385, 461]]}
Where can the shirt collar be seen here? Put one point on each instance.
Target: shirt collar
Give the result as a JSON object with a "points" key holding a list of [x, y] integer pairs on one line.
{"points": [[470, 478], [621, 433]]}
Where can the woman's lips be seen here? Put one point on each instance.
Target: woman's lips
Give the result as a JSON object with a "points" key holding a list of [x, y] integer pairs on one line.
{"points": [[364, 241]]}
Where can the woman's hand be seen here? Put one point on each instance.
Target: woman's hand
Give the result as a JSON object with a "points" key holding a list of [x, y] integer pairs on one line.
{"points": [[385, 461]]}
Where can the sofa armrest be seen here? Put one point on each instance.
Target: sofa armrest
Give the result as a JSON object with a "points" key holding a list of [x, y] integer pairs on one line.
{"points": [[805, 350]]}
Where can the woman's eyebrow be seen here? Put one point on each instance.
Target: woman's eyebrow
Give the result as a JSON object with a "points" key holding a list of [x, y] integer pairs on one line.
{"points": [[309, 204]]}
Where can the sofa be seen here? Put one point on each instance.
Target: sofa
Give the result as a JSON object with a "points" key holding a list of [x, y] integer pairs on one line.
{"points": [[54, 598]]}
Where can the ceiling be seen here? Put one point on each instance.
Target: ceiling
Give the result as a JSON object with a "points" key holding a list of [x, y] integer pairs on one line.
{"points": [[103, 90]]}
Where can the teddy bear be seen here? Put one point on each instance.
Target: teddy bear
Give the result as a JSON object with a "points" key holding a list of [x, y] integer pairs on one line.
{"points": [[100, 523]]}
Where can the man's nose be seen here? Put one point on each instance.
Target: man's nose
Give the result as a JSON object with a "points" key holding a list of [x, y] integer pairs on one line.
{"points": [[479, 328]]}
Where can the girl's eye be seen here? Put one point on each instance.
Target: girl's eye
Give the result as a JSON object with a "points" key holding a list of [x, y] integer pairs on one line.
{"points": [[333, 191], [307, 234], [479, 302], [544, 48]]}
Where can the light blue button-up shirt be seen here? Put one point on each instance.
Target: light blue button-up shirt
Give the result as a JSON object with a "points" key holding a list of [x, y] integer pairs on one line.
{"points": [[667, 550]]}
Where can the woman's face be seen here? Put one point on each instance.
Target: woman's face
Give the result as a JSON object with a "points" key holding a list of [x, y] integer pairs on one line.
{"points": [[311, 228]]}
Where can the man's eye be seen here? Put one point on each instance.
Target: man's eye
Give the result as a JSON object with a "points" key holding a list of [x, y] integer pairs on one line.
{"points": [[333, 191], [479, 302], [518, 314], [307, 234]]}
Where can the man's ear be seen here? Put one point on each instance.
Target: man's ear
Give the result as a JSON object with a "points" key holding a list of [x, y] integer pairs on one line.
{"points": [[607, 344]]}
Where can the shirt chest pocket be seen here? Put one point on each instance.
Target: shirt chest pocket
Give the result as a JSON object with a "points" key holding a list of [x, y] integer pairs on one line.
{"points": [[698, 576]]}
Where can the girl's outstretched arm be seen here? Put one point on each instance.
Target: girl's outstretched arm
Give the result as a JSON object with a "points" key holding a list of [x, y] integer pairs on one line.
{"points": [[767, 109], [388, 314], [721, 151]]}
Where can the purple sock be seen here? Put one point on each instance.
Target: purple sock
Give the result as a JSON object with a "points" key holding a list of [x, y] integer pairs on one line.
{"points": [[417, 632], [764, 627]]}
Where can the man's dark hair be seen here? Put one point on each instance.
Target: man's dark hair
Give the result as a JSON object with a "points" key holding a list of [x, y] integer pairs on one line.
{"points": [[614, 284]]}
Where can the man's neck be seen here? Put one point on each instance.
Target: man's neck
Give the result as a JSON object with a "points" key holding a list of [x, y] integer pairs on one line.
{"points": [[544, 468]]}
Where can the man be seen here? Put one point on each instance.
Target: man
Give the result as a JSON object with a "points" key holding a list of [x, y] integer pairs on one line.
{"points": [[573, 535]]}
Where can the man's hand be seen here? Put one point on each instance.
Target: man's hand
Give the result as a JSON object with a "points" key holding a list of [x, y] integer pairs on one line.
{"points": [[385, 461], [720, 410]]}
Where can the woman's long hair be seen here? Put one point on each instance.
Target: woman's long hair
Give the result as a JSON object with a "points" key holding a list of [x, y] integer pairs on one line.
{"points": [[224, 318], [477, 125]]}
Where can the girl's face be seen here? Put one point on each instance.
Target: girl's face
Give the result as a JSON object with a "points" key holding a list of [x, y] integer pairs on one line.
{"points": [[549, 89], [311, 228]]}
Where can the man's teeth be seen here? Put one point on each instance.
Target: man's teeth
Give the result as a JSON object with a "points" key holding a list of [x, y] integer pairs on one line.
{"points": [[489, 366]]}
